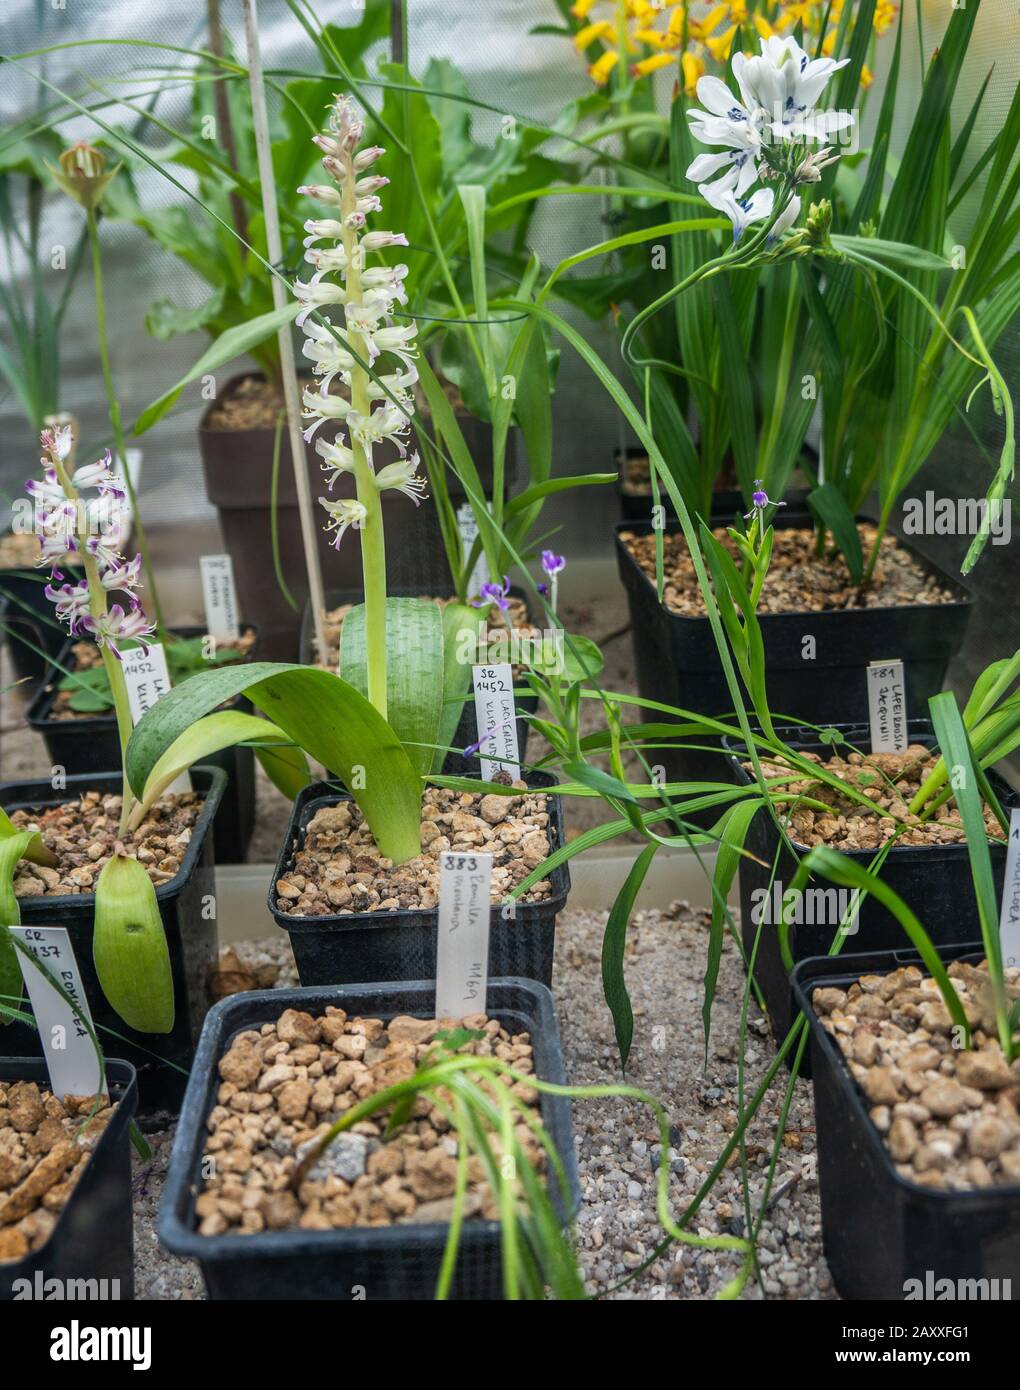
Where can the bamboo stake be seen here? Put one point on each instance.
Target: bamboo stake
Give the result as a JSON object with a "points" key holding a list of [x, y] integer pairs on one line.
{"points": [[274, 247]]}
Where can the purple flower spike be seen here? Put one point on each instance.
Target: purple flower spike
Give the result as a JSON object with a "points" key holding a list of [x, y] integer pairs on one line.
{"points": [[494, 593]]}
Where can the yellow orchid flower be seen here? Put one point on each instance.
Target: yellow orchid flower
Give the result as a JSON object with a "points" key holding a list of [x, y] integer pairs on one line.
{"points": [[720, 46], [583, 8]]}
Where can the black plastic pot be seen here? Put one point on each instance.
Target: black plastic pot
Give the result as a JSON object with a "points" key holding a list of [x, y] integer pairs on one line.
{"points": [[466, 733], [934, 880], [92, 744], [92, 1243], [35, 637], [677, 662], [187, 907], [396, 1262], [879, 1229], [401, 945], [727, 503], [238, 468]]}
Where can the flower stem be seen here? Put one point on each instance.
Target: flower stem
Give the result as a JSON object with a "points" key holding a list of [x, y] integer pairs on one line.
{"points": [[120, 445]]}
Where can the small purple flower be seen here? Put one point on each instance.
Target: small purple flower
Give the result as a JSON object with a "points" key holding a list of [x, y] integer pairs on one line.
{"points": [[760, 500], [543, 589], [494, 593], [552, 564]]}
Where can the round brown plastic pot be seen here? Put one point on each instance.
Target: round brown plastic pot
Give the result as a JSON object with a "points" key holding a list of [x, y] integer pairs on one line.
{"points": [[90, 1251], [92, 744], [344, 948], [880, 1231], [391, 1262], [238, 467], [187, 905], [934, 880]]}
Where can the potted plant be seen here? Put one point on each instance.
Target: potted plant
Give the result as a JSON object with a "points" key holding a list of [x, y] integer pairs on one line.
{"points": [[132, 880], [867, 594], [65, 1214], [914, 1055]]}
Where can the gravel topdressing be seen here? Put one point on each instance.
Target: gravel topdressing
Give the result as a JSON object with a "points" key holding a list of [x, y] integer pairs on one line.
{"points": [[617, 1140]]}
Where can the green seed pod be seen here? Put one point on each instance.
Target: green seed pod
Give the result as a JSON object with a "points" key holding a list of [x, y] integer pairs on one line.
{"points": [[129, 947]]}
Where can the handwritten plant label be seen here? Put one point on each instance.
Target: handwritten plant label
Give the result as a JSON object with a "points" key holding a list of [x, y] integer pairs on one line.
{"points": [[497, 720], [70, 1055], [462, 952], [467, 524], [887, 707], [220, 596], [147, 679], [1009, 913]]}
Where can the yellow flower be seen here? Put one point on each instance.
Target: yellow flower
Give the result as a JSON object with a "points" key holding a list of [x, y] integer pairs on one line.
{"points": [[867, 77], [590, 33], [652, 64], [583, 8], [600, 70], [764, 28], [693, 67], [885, 15], [720, 46]]}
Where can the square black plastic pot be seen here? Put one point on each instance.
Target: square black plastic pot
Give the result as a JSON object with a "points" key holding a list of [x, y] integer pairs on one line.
{"points": [[92, 744], [92, 1243], [394, 1262], [727, 503], [880, 1229], [454, 764], [934, 880], [401, 945], [676, 660], [187, 907]]}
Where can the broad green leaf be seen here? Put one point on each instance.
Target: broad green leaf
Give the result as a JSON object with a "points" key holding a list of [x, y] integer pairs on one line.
{"points": [[736, 823], [12, 848], [459, 621], [325, 716], [414, 671], [235, 342], [129, 947]]}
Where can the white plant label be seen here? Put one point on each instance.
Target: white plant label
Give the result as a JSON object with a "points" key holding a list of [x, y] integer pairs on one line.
{"points": [[462, 951], [147, 679], [70, 1055], [1009, 913], [220, 597], [497, 720], [467, 523], [887, 707]]}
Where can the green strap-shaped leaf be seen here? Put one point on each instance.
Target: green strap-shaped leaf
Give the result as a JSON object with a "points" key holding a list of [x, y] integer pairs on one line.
{"points": [[414, 671], [832, 509], [129, 947], [13, 847], [614, 942], [459, 622], [324, 715]]}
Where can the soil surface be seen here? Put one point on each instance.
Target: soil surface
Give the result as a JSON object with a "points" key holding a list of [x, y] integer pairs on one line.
{"points": [[891, 781], [339, 869], [283, 1086], [949, 1116], [516, 618], [19, 550], [82, 834], [798, 581], [617, 1140], [87, 655], [253, 404], [44, 1146]]}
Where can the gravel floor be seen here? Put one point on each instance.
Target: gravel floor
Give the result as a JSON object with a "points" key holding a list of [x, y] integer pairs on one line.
{"points": [[617, 1140]]}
